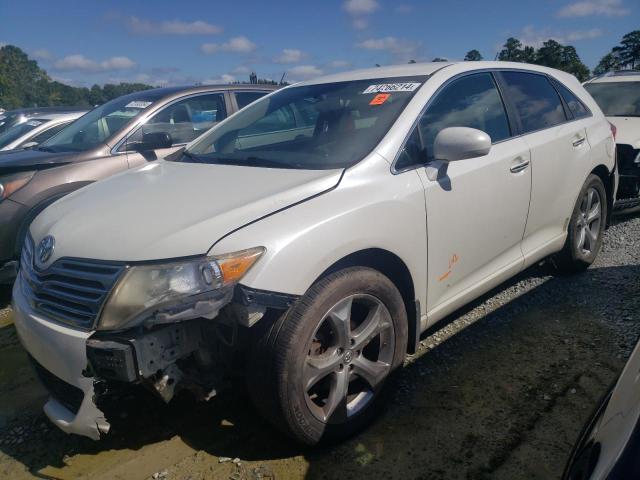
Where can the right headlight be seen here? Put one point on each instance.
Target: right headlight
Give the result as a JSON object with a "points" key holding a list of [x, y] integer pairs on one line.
{"points": [[9, 184], [163, 293]]}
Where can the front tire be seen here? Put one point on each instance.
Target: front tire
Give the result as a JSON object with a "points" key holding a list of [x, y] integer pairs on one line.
{"points": [[586, 228], [319, 370]]}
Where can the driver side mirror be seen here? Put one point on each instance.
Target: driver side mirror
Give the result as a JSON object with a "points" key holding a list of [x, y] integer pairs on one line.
{"points": [[152, 141], [460, 143]]}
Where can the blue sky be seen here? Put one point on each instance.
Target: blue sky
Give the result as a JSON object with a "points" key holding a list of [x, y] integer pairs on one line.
{"points": [[86, 42]]}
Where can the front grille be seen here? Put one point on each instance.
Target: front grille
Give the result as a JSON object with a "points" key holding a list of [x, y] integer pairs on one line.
{"points": [[629, 170], [65, 393], [627, 156], [70, 290]]}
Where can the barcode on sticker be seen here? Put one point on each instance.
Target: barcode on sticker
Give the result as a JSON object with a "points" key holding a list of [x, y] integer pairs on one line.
{"points": [[391, 87]]}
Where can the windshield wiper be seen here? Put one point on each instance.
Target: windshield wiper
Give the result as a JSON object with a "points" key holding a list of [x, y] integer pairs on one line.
{"points": [[46, 149]]}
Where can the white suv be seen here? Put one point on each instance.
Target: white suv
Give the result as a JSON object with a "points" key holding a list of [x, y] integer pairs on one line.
{"points": [[308, 240], [618, 95]]}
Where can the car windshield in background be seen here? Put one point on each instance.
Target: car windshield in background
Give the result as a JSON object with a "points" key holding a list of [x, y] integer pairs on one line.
{"points": [[9, 119], [617, 99], [99, 124], [17, 131], [322, 126]]}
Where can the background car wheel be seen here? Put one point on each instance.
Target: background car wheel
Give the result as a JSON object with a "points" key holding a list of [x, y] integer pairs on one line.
{"points": [[318, 371], [586, 228]]}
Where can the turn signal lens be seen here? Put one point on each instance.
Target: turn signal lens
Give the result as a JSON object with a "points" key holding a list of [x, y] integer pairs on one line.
{"points": [[234, 265]]}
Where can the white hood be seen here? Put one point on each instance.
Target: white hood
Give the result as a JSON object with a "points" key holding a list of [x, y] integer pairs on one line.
{"points": [[628, 130], [168, 210]]}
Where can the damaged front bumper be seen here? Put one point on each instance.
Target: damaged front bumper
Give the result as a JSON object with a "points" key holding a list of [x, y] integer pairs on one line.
{"points": [[60, 356]]}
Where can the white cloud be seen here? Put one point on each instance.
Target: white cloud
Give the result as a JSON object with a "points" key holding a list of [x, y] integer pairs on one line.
{"points": [[358, 10], [339, 64], [81, 63], [241, 70], [535, 38], [172, 27], [402, 50], [225, 78], [305, 71], [607, 8], [360, 7], [290, 55], [236, 44], [42, 54]]}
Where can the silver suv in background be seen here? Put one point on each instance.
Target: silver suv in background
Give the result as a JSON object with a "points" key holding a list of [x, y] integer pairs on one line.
{"points": [[123, 133], [618, 95], [35, 129]]}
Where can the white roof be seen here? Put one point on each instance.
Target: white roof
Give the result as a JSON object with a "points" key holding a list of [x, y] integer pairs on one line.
{"points": [[627, 77], [56, 116], [416, 69]]}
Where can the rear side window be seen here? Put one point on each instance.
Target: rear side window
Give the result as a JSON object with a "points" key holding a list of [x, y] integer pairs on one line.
{"points": [[245, 98], [576, 107], [536, 101]]}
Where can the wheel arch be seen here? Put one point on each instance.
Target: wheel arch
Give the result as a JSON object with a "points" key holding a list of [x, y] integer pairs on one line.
{"points": [[608, 178], [393, 267]]}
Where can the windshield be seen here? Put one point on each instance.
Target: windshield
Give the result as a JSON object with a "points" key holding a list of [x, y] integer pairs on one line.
{"points": [[99, 124], [617, 99], [323, 126], [9, 119], [13, 133]]}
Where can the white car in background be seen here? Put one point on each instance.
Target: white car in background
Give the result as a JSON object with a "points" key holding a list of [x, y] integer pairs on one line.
{"points": [[618, 95], [308, 240], [32, 130]]}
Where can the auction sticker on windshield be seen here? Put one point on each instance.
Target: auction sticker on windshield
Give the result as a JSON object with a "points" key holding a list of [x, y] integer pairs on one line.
{"points": [[137, 104], [391, 87]]}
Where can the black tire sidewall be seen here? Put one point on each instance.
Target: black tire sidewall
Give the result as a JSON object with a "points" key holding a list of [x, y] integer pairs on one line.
{"points": [[303, 320], [578, 257]]}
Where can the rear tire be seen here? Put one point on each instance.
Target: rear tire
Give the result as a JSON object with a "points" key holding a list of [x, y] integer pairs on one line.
{"points": [[586, 228], [318, 371]]}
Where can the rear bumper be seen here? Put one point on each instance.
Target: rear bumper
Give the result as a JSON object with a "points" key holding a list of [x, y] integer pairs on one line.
{"points": [[61, 352]]}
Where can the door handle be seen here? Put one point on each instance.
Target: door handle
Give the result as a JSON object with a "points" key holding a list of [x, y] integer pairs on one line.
{"points": [[520, 167], [578, 142]]}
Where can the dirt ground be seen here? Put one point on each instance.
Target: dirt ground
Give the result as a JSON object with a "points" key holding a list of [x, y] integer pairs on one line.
{"points": [[503, 398]]}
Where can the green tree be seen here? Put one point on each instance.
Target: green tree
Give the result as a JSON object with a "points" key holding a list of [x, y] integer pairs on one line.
{"points": [[563, 57], [473, 56], [439, 59], [609, 63], [511, 51], [629, 50]]}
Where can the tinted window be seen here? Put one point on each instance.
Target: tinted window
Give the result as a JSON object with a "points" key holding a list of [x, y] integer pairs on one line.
{"points": [[617, 99], [14, 133], [536, 101], [576, 107], [184, 120], [245, 98], [472, 101], [47, 134]]}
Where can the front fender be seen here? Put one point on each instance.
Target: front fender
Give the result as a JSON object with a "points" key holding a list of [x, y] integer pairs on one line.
{"points": [[370, 208]]}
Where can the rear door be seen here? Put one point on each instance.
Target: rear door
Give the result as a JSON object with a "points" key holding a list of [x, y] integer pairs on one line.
{"points": [[183, 119], [559, 149]]}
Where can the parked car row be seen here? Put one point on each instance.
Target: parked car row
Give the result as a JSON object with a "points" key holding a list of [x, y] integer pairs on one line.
{"points": [[304, 242]]}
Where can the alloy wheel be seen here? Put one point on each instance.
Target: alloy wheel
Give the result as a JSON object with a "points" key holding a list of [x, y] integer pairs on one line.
{"points": [[589, 220], [348, 358]]}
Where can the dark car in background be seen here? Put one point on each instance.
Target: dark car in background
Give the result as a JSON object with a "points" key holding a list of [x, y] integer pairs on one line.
{"points": [[123, 133], [609, 446]]}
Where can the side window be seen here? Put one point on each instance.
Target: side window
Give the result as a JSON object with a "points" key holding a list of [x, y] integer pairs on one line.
{"points": [[536, 101], [245, 98], [471, 101], [576, 107], [47, 134], [184, 120]]}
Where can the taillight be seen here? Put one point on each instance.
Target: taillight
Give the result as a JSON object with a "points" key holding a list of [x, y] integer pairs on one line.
{"points": [[614, 130]]}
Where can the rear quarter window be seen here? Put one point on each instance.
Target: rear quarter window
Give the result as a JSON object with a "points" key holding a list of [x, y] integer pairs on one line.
{"points": [[576, 107]]}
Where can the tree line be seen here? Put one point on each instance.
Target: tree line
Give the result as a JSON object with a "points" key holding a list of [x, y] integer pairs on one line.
{"points": [[553, 54]]}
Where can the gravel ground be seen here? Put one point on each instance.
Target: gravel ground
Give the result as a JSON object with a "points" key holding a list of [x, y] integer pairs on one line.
{"points": [[500, 390]]}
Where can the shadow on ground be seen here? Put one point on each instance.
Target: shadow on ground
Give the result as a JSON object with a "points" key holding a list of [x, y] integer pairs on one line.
{"points": [[504, 398]]}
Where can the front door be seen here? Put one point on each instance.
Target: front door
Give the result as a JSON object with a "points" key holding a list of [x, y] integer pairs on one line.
{"points": [[477, 211]]}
